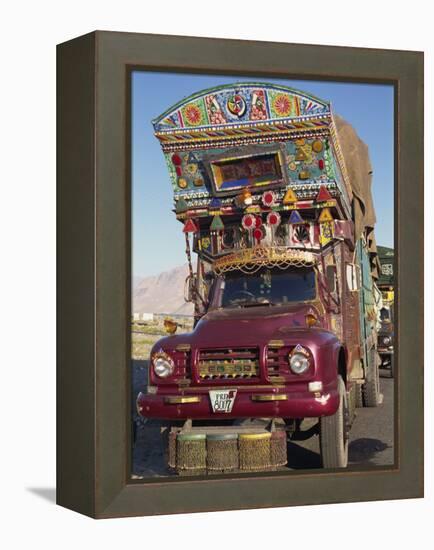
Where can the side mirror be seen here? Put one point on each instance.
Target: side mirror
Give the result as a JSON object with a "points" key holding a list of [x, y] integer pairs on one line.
{"points": [[353, 277]]}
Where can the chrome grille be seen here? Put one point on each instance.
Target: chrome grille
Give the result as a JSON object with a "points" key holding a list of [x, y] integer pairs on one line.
{"points": [[182, 363], [232, 363], [277, 360]]}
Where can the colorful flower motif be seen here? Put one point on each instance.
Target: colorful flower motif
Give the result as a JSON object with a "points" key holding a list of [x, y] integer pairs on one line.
{"points": [[258, 234], [248, 221], [192, 114], [215, 113], [236, 105], [273, 218], [269, 198], [191, 168], [258, 110], [282, 104]]}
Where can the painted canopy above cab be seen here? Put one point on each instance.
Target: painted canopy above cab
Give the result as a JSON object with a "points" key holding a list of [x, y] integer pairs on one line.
{"points": [[245, 103]]}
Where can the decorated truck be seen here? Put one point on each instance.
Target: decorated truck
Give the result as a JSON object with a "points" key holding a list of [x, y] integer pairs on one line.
{"points": [[386, 330], [279, 216]]}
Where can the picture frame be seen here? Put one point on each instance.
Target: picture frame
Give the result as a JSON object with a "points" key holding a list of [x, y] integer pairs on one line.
{"points": [[94, 252]]}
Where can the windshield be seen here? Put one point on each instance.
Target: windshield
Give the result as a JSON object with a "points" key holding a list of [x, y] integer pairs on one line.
{"points": [[266, 287]]}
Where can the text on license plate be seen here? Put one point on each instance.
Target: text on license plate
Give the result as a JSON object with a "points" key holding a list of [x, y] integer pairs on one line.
{"points": [[222, 401]]}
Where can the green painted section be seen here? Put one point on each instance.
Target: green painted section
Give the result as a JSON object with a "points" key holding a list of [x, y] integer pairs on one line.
{"points": [[387, 259]]}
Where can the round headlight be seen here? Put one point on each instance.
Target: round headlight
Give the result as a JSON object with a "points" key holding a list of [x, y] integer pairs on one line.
{"points": [[387, 340], [299, 363], [163, 365]]}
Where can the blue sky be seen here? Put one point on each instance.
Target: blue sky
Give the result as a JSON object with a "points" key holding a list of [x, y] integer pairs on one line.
{"points": [[158, 241]]}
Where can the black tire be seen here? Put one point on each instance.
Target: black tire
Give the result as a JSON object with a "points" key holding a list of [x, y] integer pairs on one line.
{"points": [[333, 436], [392, 371], [371, 387]]}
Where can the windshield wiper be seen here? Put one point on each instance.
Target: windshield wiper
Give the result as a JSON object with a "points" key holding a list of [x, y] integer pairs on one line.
{"points": [[250, 303]]}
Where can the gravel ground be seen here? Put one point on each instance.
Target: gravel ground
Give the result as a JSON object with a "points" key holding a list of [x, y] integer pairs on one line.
{"points": [[371, 437]]}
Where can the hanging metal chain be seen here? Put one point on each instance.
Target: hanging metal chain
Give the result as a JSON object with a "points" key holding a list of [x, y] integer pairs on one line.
{"points": [[188, 254], [191, 273], [194, 293]]}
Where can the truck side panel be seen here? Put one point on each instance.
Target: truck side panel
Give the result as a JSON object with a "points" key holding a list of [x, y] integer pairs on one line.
{"points": [[366, 300], [350, 316]]}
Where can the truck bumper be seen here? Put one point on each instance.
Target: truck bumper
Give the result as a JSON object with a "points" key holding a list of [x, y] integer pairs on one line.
{"points": [[248, 404]]}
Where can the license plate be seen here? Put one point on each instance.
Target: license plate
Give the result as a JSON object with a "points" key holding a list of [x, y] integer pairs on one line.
{"points": [[222, 401]]}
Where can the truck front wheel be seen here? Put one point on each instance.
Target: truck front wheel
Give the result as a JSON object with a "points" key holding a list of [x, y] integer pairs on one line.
{"points": [[334, 433]]}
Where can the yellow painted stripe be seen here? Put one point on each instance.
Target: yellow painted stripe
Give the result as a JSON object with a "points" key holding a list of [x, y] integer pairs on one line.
{"points": [[182, 399], [273, 397]]}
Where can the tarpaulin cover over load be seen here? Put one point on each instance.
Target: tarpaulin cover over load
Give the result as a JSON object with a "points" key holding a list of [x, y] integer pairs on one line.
{"points": [[359, 168]]}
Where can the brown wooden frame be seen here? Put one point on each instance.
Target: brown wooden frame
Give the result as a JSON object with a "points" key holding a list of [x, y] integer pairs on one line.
{"points": [[94, 236]]}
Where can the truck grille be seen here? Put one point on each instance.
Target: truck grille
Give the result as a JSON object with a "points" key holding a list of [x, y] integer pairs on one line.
{"points": [[277, 361], [235, 363], [182, 362]]}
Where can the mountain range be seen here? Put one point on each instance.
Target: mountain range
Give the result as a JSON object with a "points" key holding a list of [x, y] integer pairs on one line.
{"points": [[162, 293]]}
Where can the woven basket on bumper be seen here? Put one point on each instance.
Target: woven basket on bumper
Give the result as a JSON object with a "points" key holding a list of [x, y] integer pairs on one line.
{"points": [[255, 451], [191, 451], [222, 452]]}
